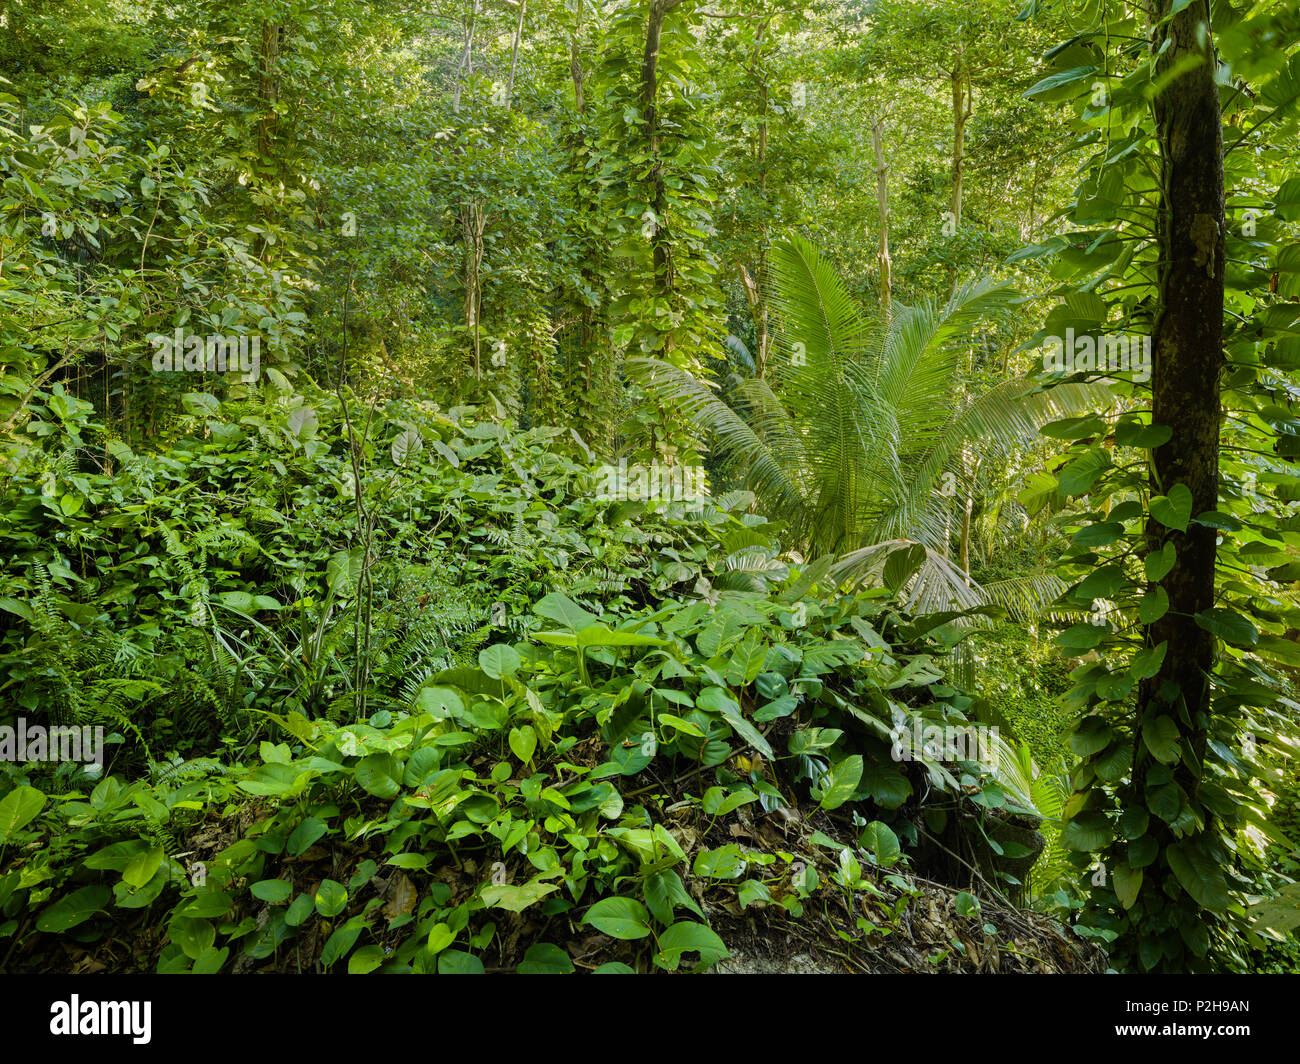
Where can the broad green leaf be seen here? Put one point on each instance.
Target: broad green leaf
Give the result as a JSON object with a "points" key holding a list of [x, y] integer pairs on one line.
{"points": [[842, 782], [367, 958], [342, 570], [331, 898], [675, 722], [440, 937], [1098, 534], [273, 891], [19, 808], [1142, 851], [302, 907], [879, 839], [72, 909], [408, 861], [716, 700], [1200, 876], [1127, 881], [1146, 437], [441, 703], [545, 958], [516, 899], [1081, 474], [1064, 83], [1158, 564], [458, 962], [689, 937], [1154, 605], [380, 775], [1074, 428], [306, 833], [143, 866], [562, 609], [1175, 509], [499, 661], [623, 918], [1080, 637], [1087, 832], [717, 802], [600, 635], [342, 940], [726, 862], [886, 785], [1160, 736], [1228, 625], [192, 936], [1147, 662]]}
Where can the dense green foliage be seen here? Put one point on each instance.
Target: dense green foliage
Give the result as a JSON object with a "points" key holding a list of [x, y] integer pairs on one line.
{"points": [[396, 673], [479, 746]]}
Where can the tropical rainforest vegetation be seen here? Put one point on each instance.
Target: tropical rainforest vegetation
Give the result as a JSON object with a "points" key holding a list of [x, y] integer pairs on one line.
{"points": [[606, 486]]}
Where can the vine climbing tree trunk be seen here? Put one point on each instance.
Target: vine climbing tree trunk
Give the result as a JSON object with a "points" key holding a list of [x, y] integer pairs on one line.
{"points": [[649, 109], [472, 224], [268, 96], [1187, 341], [575, 63], [659, 236], [756, 285], [268, 88], [472, 219], [1187, 346]]}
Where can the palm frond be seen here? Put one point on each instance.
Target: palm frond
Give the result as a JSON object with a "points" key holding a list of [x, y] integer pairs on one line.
{"points": [[936, 586], [1025, 597], [738, 444]]}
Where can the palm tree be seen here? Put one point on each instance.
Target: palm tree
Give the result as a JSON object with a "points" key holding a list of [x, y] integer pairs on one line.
{"points": [[864, 436]]}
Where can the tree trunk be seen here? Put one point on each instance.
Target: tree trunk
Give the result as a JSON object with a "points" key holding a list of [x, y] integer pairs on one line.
{"points": [[962, 109], [1187, 340], [883, 260], [514, 52], [268, 95], [649, 92], [756, 288], [969, 468], [575, 63], [268, 90], [466, 66], [472, 224]]}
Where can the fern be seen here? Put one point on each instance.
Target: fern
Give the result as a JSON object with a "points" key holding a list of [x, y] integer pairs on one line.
{"points": [[1051, 790]]}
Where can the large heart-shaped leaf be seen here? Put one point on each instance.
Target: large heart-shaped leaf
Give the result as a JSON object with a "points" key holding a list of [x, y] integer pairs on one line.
{"points": [[1198, 874], [562, 609], [623, 918], [1175, 509], [841, 782], [19, 808]]}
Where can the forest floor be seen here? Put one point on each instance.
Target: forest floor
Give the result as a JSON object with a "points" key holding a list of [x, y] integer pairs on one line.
{"points": [[893, 922]]}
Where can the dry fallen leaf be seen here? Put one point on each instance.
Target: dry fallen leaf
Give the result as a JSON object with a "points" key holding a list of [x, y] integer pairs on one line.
{"points": [[402, 896]]}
